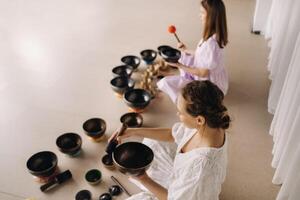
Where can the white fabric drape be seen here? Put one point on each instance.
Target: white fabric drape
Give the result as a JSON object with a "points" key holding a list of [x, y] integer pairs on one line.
{"points": [[283, 32], [283, 43], [272, 18], [261, 13], [285, 130]]}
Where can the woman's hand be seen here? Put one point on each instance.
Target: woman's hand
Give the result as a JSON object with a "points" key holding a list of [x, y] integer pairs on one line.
{"points": [[126, 134], [184, 49], [181, 46]]}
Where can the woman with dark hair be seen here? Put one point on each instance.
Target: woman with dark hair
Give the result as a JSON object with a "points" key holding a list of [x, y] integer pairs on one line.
{"points": [[190, 159], [207, 62]]}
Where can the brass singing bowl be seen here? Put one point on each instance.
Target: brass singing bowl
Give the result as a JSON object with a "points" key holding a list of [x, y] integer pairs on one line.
{"points": [[132, 158]]}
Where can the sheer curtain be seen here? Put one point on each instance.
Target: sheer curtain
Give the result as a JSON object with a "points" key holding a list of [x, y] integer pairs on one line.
{"points": [[261, 15], [283, 40], [283, 32], [285, 130]]}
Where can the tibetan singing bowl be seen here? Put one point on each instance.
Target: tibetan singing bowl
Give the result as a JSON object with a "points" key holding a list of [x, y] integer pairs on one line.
{"points": [[132, 119], [137, 99], [122, 70], [171, 55], [69, 143], [107, 161], [148, 55], [162, 48], [132, 158], [94, 128], [133, 61], [93, 176], [42, 164], [121, 84]]}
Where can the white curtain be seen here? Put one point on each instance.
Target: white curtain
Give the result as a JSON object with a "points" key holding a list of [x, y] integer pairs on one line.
{"points": [[283, 31], [283, 43], [285, 130], [262, 8]]}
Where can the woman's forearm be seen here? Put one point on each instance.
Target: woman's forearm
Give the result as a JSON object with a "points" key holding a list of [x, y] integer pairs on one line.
{"points": [[159, 191], [189, 52], [162, 134], [195, 71]]}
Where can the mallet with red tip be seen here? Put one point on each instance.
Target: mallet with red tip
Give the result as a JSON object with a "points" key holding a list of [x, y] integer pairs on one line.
{"points": [[172, 29]]}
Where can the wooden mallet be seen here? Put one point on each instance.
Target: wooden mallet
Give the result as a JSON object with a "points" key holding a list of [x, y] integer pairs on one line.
{"points": [[172, 29]]}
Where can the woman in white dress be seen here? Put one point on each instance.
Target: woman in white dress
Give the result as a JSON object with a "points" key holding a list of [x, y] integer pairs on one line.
{"points": [[207, 62], [189, 159]]}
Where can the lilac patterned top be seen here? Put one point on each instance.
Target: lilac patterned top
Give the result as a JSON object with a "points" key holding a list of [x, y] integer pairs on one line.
{"points": [[208, 55]]}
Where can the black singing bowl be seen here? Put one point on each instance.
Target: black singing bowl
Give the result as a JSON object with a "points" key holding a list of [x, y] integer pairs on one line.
{"points": [[122, 70], [94, 127], [148, 55], [132, 119], [171, 55], [163, 47], [121, 84], [133, 61], [137, 98], [83, 195], [69, 143], [132, 158], [105, 196], [107, 161], [42, 164]]}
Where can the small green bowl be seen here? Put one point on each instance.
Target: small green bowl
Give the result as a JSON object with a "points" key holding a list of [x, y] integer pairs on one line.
{"points": [[93, 176]]}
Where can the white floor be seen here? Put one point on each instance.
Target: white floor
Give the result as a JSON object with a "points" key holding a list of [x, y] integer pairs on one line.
{"points": [[55, 66]]}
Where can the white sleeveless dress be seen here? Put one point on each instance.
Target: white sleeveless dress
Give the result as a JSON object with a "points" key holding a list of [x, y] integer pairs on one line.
{"points": [[195, 175]]}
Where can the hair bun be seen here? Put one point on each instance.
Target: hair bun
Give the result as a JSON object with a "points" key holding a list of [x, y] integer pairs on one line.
{"points": [[206, 99], [225, 122]]}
